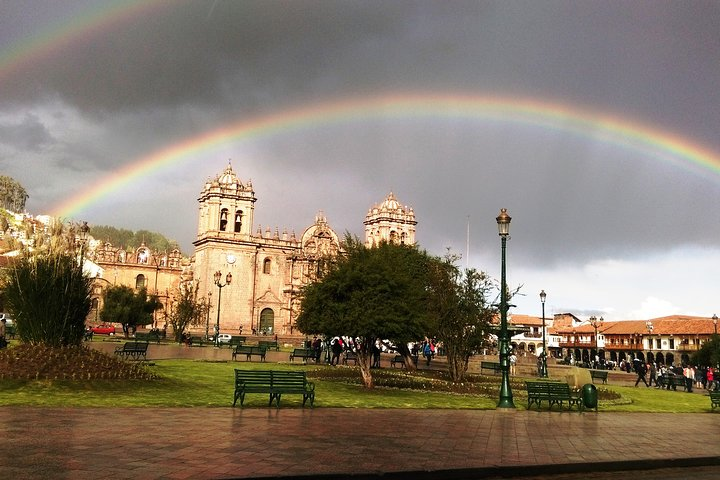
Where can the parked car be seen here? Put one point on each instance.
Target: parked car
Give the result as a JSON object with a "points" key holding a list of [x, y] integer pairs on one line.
{"points": [[104, 329], [224, 338]]}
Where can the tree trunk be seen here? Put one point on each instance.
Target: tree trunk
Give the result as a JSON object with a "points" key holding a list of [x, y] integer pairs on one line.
{"points": [[407, 355], [365, 360]]}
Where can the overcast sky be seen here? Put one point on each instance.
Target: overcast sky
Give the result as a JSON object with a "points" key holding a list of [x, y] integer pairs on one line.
{"points": [[604, 226]]}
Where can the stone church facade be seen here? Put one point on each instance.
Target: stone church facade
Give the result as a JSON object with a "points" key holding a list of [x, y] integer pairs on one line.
{"points": [[267, 269]]}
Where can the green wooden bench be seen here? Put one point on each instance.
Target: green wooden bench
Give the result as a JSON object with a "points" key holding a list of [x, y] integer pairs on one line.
{"points": [[398, 360], [133, 350], [494, 366], [147, 337], [555, 393], [269, 344], [350, 356], [304, 353], [714, 400], [673, 381], [237, 340], [599, 374], [273, 382], [197, 341], [249, 351]]}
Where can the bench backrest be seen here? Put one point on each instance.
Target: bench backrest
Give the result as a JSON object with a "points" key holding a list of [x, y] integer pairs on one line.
{"points": [[253, 377], [558, 388], [535, 388], [285, 379]]}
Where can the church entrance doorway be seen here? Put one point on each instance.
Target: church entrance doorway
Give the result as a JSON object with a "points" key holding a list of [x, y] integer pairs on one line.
{"points": [[267, 321]]}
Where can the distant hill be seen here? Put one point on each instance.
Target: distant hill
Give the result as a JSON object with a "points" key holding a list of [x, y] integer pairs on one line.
{"points": [[122, 237]]}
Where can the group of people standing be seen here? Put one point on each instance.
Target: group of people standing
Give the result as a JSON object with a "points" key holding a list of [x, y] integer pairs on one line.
{"points": [[702, 377]]}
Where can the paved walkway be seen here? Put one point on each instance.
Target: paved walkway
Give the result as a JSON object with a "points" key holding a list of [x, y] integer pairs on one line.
{"points": [[221, 443]]}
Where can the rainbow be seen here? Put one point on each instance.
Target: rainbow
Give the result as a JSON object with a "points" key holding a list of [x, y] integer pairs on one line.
{"points": [[660, 144], [74, 28]]}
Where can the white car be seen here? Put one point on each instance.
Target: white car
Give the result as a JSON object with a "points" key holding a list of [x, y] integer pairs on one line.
{"points": [[224, 338]]}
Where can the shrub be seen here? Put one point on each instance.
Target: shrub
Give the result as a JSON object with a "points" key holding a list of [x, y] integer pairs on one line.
{"points": [[49, 298]]}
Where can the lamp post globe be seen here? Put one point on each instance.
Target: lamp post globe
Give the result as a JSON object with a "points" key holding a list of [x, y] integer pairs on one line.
{"points": [[544, 371], [506, 397]]}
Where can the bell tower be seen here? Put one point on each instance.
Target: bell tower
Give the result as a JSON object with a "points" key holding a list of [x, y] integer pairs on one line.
{"points": [[390, 221], [227, 208]]}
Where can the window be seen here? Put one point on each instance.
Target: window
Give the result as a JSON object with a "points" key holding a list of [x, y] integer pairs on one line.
{"points": [[140, 281], [266, 265], [223, 219], [238, 220]]}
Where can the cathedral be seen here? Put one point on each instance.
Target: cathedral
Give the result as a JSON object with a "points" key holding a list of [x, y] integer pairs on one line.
{"points": [[261, 273]]}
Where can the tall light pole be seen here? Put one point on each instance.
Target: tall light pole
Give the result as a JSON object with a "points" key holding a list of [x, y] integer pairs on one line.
{"points": [[596, 322], [650, 328], [207, 319], [715, 319], [84, 229], [506, 398], [218, 278], [544, 372]]}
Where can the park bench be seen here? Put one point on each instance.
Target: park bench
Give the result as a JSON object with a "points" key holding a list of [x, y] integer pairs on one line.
{"points": [[249, 351], [599, 374], [672, 381], [494, 366], [237, 340], [273, 382], [268, 344], [303, 353], [714, 400], [133, 350], [147, 337], [197, 341], [350, 356], [398, 360], [555, 393]]}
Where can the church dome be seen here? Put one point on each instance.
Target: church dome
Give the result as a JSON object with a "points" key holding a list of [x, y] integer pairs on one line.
{"points": [[228, 177], [390, 203]]}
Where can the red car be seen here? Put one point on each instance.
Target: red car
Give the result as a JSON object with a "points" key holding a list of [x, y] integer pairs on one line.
{"points": [[104, 329]]}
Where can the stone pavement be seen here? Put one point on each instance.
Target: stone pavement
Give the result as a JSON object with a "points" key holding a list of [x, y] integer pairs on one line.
{"points": [[222, 443]]}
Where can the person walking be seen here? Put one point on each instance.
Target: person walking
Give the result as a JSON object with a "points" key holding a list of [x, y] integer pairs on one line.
{"points": [[3, 340], [641, 372], [689, 374], [653, 373]]}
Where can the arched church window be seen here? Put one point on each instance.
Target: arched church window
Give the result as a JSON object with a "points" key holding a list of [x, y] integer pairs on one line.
{"points": [[267, 321], [223, 219], [403, 236], [393, 237], [266, 265], [238, 220], [140, 281], [94, 303]]}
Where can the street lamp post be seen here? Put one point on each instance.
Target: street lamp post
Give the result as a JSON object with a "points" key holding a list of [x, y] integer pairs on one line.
{"points": [[506, 398], [715, 319], [84, 229], [596, 322], [544, 372], [650, 328], [207, 319], [218, 278]]}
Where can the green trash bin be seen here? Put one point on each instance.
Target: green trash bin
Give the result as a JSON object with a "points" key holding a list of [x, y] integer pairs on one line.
{"points": [[589, 396]]}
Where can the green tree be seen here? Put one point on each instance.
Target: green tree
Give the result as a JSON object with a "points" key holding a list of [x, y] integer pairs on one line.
{"points": [[188, 310], [12, 195], [369, 293], [49, 297], [709, 353], [121, 237], [462, 307], [131, 309]]}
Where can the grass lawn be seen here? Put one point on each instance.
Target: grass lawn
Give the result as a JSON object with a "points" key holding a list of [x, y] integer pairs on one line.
{"points": [[190, 383]]}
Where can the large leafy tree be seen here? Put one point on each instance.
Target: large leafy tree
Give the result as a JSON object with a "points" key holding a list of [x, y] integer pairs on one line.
{"points": [[709, 353], [49, 297], [188, 310], [132, 309], [461, 303], [12, 195], [369, 293]]}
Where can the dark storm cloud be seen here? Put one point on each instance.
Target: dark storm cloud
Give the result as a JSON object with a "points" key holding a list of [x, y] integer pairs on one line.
{"points": [[28, 134]]}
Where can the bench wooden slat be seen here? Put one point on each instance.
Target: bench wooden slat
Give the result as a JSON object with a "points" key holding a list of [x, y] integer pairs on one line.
{"points": [[494, 366], [303, 353], [249, 351], [714, 400], [555, 393], [599, 374], [133, 350]]}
